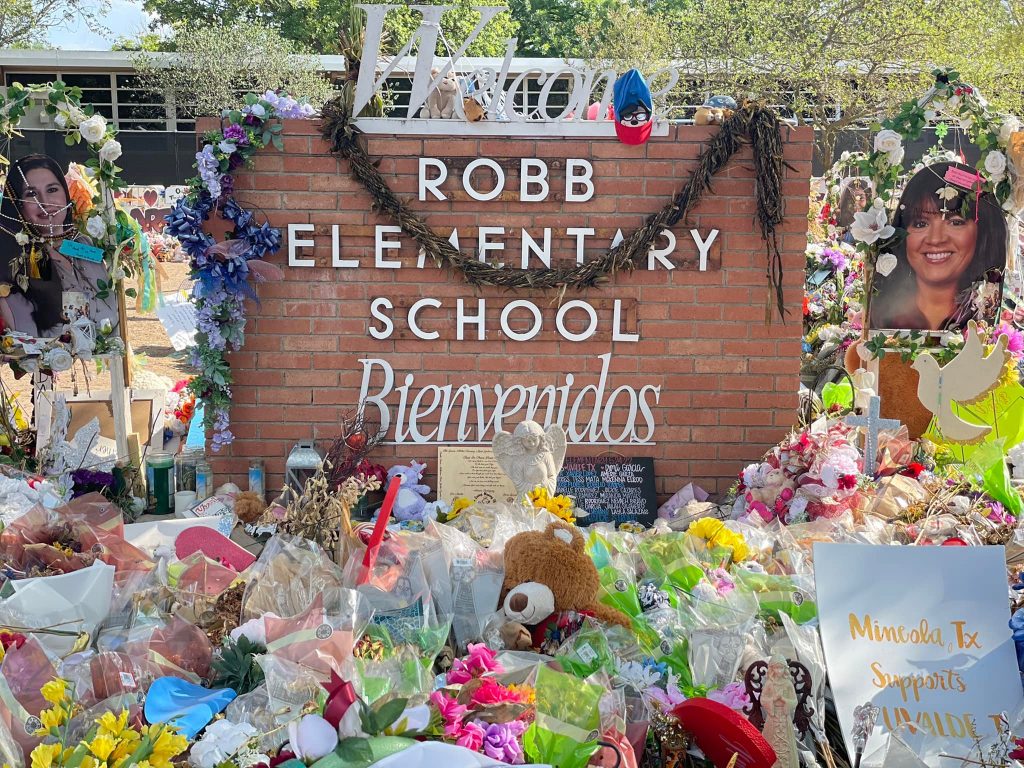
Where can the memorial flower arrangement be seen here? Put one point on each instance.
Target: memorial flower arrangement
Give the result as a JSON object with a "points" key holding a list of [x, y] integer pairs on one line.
{"points": [[223, 281], [812, 474], [832, 310]]}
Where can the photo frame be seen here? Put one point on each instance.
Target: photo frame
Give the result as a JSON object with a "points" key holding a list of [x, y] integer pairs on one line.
{"points": [[147, 412]]}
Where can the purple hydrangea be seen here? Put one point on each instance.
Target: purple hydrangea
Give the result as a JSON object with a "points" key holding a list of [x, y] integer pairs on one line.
{"points": [[835, 257], [209, 170]]}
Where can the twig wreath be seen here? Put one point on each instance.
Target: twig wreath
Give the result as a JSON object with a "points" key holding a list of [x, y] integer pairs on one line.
{"points": [[998, 137], [101, 225], [751, 124]]}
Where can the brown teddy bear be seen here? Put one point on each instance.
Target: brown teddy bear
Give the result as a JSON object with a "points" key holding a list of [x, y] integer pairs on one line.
{"points": [[551, 586]]}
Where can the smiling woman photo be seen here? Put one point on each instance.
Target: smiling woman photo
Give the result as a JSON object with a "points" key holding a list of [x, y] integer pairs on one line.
{"points": [[949, 268]]}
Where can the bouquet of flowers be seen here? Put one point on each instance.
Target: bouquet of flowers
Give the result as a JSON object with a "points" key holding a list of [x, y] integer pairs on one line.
{"points": [[179, 407], [810, 475], [832, 311]]}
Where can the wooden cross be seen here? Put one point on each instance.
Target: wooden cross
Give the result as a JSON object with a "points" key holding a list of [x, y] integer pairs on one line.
{"points": [[873, 424]]}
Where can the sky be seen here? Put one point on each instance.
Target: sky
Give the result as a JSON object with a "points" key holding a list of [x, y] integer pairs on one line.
{"points": [[125, 19]]}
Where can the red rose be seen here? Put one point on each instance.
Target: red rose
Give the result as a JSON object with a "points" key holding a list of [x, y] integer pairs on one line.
{"points": [[913, 469]]}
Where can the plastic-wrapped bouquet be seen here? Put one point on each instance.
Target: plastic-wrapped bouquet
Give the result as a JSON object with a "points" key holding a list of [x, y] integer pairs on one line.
{"points": [[832, 302], [811, 474]]}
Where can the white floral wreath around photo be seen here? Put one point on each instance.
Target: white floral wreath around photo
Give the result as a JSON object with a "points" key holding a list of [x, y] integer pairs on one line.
{"points": [[1000, 168], [81, 338]]}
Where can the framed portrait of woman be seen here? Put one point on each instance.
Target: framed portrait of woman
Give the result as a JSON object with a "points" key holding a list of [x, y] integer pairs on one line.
{"points": [[949, 267], [855, 193], [45, 269]]}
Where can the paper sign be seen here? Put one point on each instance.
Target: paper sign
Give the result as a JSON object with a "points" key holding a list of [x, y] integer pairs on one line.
{"points": [[920, 632], [178, 317], [77, 250], [473, 473], [962, 178]]}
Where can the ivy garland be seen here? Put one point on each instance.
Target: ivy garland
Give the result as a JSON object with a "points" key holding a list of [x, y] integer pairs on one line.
{"points": [[106, 228], [223, 279], [750, 124], [1001, 162]]}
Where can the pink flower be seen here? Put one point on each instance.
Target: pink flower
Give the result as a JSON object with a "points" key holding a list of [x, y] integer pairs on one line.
{"points": [[479, 661], [732, 695], [471, 736], [1014, 338], [451, 712], [491, 692]]}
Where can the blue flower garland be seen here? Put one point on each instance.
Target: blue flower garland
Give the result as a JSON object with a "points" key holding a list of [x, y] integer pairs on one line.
{"points": [[223, 280]]}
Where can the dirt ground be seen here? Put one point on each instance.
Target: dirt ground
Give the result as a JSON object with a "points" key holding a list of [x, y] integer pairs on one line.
{"points": [[148, 340]]}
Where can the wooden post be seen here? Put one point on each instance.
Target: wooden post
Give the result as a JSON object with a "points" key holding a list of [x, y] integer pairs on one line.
{"points": [[120, 375]]}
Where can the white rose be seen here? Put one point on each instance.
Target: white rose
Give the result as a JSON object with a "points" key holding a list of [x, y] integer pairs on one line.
{"points": [[106, 327], [886, 264], [1009, 127], [57, 359], [110, 151], [93, 129], [888, 141], [96, 227], [22, 238], [995, 165], [896, 156], [61, 120], [76, 115]]}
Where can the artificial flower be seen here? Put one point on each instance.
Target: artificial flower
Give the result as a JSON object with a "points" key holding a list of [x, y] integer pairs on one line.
{"points": [[450, 710], [1014, 337], [471, 736], [412, 720], [501, 741], [733, 695], [236, 133], [479, 660], [227, 147], [491, 692], [311, 737], [995, 165], [61, 121], [93, 128], [888, 141], [872, 225], [22, 237], [638, 675], [885, 264], [1009, 127], [57, 359], [110, 151], [460, 505], [96, 227], [896, 156], [716, 534]]}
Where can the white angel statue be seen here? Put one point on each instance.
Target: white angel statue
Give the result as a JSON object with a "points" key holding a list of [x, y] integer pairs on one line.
{"points": [[531, 455]]}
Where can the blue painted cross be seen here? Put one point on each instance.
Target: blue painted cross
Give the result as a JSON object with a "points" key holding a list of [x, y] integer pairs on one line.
{"points": [[873, 424]]}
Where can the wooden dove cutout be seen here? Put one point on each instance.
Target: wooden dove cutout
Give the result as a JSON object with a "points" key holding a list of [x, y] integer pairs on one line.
{"points": [[965, 379]]}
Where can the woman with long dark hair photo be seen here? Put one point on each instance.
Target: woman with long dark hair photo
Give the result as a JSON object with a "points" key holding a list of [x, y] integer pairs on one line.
{"points": [[949, 268], [36, 217]]}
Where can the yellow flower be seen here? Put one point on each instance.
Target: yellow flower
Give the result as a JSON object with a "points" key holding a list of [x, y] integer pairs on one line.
{"points": [[715, 533], [166, 745], [102, 746], [460, 505], [55, 691], [51, 718], [113, 725], [43, 755], [129, 743]]}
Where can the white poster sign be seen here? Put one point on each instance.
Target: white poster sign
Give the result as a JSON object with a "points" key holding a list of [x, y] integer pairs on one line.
{"points": [[921, 633]]}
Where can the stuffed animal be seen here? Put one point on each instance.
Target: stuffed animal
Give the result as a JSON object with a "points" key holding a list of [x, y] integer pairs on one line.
{"points": [[551, 586], [715, 111], [441, 101], [410, 504]]}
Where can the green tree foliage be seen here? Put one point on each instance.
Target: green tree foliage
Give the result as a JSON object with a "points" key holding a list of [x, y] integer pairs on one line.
{"points": [[26, 23], [559, 28], [456, 25], [213, 66]]}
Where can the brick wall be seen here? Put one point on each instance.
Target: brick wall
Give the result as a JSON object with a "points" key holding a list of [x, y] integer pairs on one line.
{"points": [[728, 381]]}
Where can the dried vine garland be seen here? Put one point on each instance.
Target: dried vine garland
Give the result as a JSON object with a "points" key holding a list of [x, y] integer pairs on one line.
{"points": [[752, 123]]}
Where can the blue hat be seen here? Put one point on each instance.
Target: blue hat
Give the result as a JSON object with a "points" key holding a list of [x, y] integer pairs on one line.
{"points": [[631, 97]]}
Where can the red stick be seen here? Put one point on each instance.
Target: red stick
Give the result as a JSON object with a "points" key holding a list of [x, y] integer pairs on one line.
{"points": [[377, 536]]}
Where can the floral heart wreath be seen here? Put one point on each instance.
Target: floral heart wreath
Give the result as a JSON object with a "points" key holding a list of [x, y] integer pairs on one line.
{"points": [[1000, 168], [97, 222]]}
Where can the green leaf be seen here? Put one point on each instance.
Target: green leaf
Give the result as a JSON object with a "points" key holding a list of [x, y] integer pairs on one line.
{"points": [[130, 293], [279, 143], [355, 750], [387, 713]]}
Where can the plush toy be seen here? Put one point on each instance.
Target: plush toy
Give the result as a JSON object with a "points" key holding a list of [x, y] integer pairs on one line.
{"points": [[441, 101], [715, 111], [633, 108], [551, 586], [410, 504], [773, 488]]}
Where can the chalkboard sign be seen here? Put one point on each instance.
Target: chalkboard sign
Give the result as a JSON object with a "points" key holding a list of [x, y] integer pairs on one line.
{"points": [[611, 488]]}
